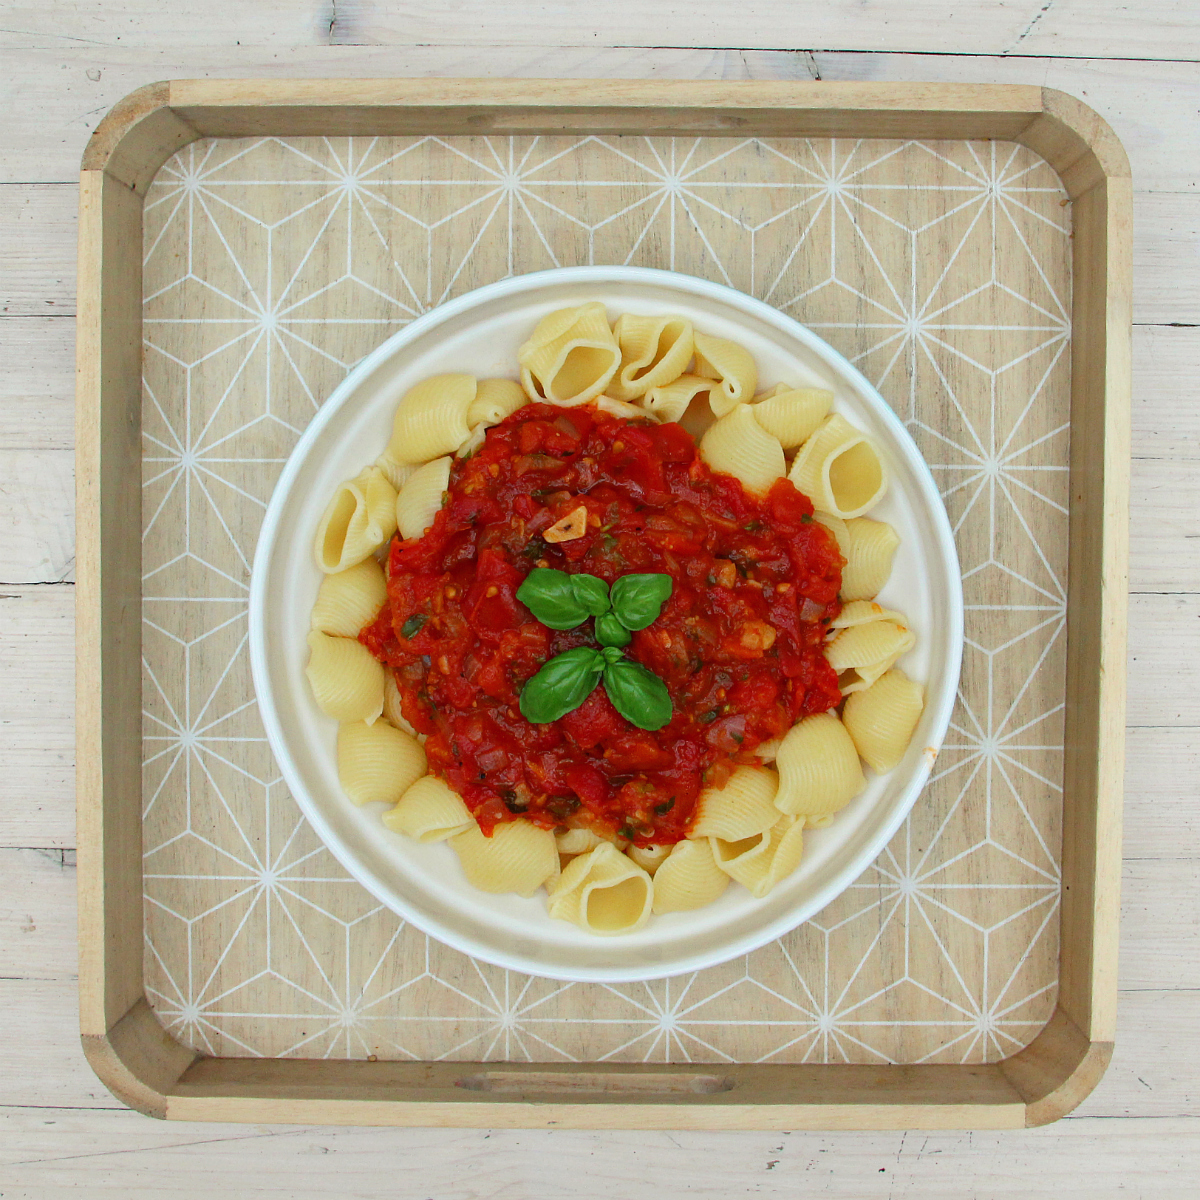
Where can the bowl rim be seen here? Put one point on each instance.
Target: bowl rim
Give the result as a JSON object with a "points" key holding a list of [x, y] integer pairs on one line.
{"points": [[952, 633]]}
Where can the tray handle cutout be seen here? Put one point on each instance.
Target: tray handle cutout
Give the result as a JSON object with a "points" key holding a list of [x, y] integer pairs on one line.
{"points": [[593, 1082]]}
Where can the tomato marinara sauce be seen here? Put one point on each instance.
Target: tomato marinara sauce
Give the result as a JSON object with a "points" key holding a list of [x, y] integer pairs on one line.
{"points": [[738, 643]]}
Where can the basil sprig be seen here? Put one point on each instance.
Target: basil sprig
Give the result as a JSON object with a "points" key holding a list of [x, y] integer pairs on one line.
{"points": [[562, 685], [564, 601]]}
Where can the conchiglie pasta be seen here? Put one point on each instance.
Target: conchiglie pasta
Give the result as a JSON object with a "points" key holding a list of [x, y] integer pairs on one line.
{"points": [[792, 414], [570, 357], [349, 599], [394, 472], [518, 857], [346, 679], [742, 807], [738, 445], [359, 519], [758, 863], [839, 469], [577, 841], [863, 612], [602, 891], [494, 400], [649, 858], [654, 351], [420, 499], [623, 408], [432, 418], [862, 652], [430, 810], [818, 766], [669, 401], [869, 550], [377, 761], [881, 718], [689, 878], [731, 364]]}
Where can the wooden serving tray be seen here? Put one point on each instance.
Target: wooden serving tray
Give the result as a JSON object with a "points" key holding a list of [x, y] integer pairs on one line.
{"points": [[243, 244]]}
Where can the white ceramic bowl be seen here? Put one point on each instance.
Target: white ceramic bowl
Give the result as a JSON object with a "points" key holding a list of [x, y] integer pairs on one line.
{"points": [[480, 333]]}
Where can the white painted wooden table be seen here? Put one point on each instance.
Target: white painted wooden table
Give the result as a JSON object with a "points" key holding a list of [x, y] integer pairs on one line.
{"points": [[63, 63]]}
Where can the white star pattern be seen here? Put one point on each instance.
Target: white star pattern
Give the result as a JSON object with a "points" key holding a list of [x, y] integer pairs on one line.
{"points": [[272, 266]]}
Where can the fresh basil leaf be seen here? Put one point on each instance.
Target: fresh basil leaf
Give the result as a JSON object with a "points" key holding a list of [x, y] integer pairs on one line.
{"points": [[562, 685], [591, 593], [548, 594], [611, 654], [638, 599], [610, 632], [412, 626], [637, 694]]}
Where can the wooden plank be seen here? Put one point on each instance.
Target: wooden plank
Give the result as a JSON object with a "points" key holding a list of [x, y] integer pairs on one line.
{"points": [[1162, 29], [36, 513], [1165, 512], [37, 914], [1164, 672], [37, 744], [1162, 819], [1166, 396], [1160, 924], [53, 1154], [65, 92], [1150, 1074], [43, 1064], [37, 250], [37, 385], [1167, 232]]}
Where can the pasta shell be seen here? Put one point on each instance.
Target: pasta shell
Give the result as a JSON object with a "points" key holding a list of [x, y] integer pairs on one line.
{"points": [[869, 550], [739, 446], [793, 414], [570, 356], [359, 519], [742, 807], [649, 858], [669, 401], [346, 679], [394, 472], [690, 878], [863, 612], [430, 810], [420, 499], [839, 469], [603, 891], [431, 419], [881, 718], [377, 762], [819, 771], [861, 653], [577, 841], [349, 599], [654, 351], [758, 863], [494, 400], [518, 857], [719, 358]]}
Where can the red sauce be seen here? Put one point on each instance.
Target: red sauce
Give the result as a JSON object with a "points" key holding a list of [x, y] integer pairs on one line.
{"points": [[738, 643]]}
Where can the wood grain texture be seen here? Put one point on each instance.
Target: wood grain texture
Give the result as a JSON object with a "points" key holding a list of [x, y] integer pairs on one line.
{"points": [[735, 219], [37, 385], [53, 99], [37, 743], [1163, 29], [65, 92]]}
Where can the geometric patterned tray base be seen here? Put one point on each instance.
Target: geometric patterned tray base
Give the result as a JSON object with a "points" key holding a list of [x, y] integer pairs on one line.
{"points": [[940, 269]]}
